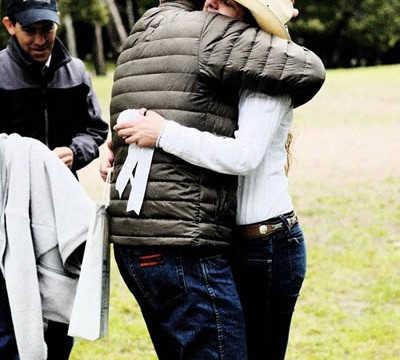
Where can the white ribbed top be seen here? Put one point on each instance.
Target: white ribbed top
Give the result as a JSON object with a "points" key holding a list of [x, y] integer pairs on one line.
{"points": [[257, 154]]}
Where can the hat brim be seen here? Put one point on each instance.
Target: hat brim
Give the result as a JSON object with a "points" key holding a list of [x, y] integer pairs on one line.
{"points": [[265, 18], [31, 16]]}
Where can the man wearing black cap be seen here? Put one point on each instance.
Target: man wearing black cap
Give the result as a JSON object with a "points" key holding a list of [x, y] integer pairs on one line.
{"points": [[47, 95], [44, 92]]}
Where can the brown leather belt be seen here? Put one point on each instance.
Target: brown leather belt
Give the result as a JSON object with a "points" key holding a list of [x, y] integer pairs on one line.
{"points": [[268, 227]]}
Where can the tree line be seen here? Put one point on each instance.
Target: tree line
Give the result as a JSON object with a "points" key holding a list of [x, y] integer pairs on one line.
{"points": [[344, 33]]}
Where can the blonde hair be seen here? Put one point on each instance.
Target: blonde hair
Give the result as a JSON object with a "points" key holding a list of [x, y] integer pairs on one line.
{"points": [[288, 145]]}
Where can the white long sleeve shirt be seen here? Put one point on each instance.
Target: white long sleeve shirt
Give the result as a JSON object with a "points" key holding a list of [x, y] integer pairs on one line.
{"points": [[256, 153]]}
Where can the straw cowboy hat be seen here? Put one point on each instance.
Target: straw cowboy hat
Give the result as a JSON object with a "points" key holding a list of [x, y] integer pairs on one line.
{"points": [[271, 15]]}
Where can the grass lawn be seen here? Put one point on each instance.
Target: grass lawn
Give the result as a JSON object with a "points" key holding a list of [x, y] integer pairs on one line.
{"points": [[345, 182]]}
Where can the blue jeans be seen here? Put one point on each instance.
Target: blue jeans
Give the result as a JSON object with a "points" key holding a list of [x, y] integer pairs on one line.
{"points": [[269, 272], [188, 300], [59, 344]]}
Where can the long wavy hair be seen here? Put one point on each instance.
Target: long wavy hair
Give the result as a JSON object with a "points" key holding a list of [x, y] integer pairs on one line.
{"points": [[288, 147]]}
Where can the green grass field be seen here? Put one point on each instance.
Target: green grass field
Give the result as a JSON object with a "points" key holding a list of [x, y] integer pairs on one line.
{"points": [[345, 182]]}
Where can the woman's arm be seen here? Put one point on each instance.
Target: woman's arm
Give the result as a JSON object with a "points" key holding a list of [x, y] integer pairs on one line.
{"points": [[259, 119]]}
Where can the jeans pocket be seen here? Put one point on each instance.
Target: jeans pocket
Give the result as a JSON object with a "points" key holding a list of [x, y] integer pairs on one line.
{"points": [[297, 256], [158, 276]]}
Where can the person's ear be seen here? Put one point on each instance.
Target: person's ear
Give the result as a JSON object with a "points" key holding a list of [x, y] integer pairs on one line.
{"points": [[295, 10], [8, 24]]}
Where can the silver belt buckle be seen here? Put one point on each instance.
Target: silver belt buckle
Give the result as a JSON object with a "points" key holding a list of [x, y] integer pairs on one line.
{"points": [[263, 229]]}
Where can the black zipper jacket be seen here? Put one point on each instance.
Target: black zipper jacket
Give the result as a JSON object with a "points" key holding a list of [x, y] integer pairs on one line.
{"points": [[57, 106]]}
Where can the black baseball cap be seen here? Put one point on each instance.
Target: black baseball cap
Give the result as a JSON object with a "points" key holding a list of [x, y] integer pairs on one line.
{"points": [[27, 12]]}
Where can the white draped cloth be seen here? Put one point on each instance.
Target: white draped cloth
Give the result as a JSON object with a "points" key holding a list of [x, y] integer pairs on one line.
{"points": [[44, 219]]}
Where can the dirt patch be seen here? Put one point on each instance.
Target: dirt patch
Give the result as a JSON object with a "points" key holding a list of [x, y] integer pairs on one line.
{"points": [[346, 153]]}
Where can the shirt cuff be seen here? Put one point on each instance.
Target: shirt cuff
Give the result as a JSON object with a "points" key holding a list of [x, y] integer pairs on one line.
{"points": [[161, 136]]}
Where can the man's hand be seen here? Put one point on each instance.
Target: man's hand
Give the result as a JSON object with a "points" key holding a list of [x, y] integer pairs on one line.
{"points": [[107, 161], [65, 154]]}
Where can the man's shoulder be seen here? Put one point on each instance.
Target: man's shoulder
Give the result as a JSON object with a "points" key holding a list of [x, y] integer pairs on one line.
{"points": [[172, 22], [5, 63], [76, 65], [3, 54], [77, 61], [172, 13]]}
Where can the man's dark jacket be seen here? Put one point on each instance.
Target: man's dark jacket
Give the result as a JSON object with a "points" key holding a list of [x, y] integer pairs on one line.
{"points": [[57, 106]]}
